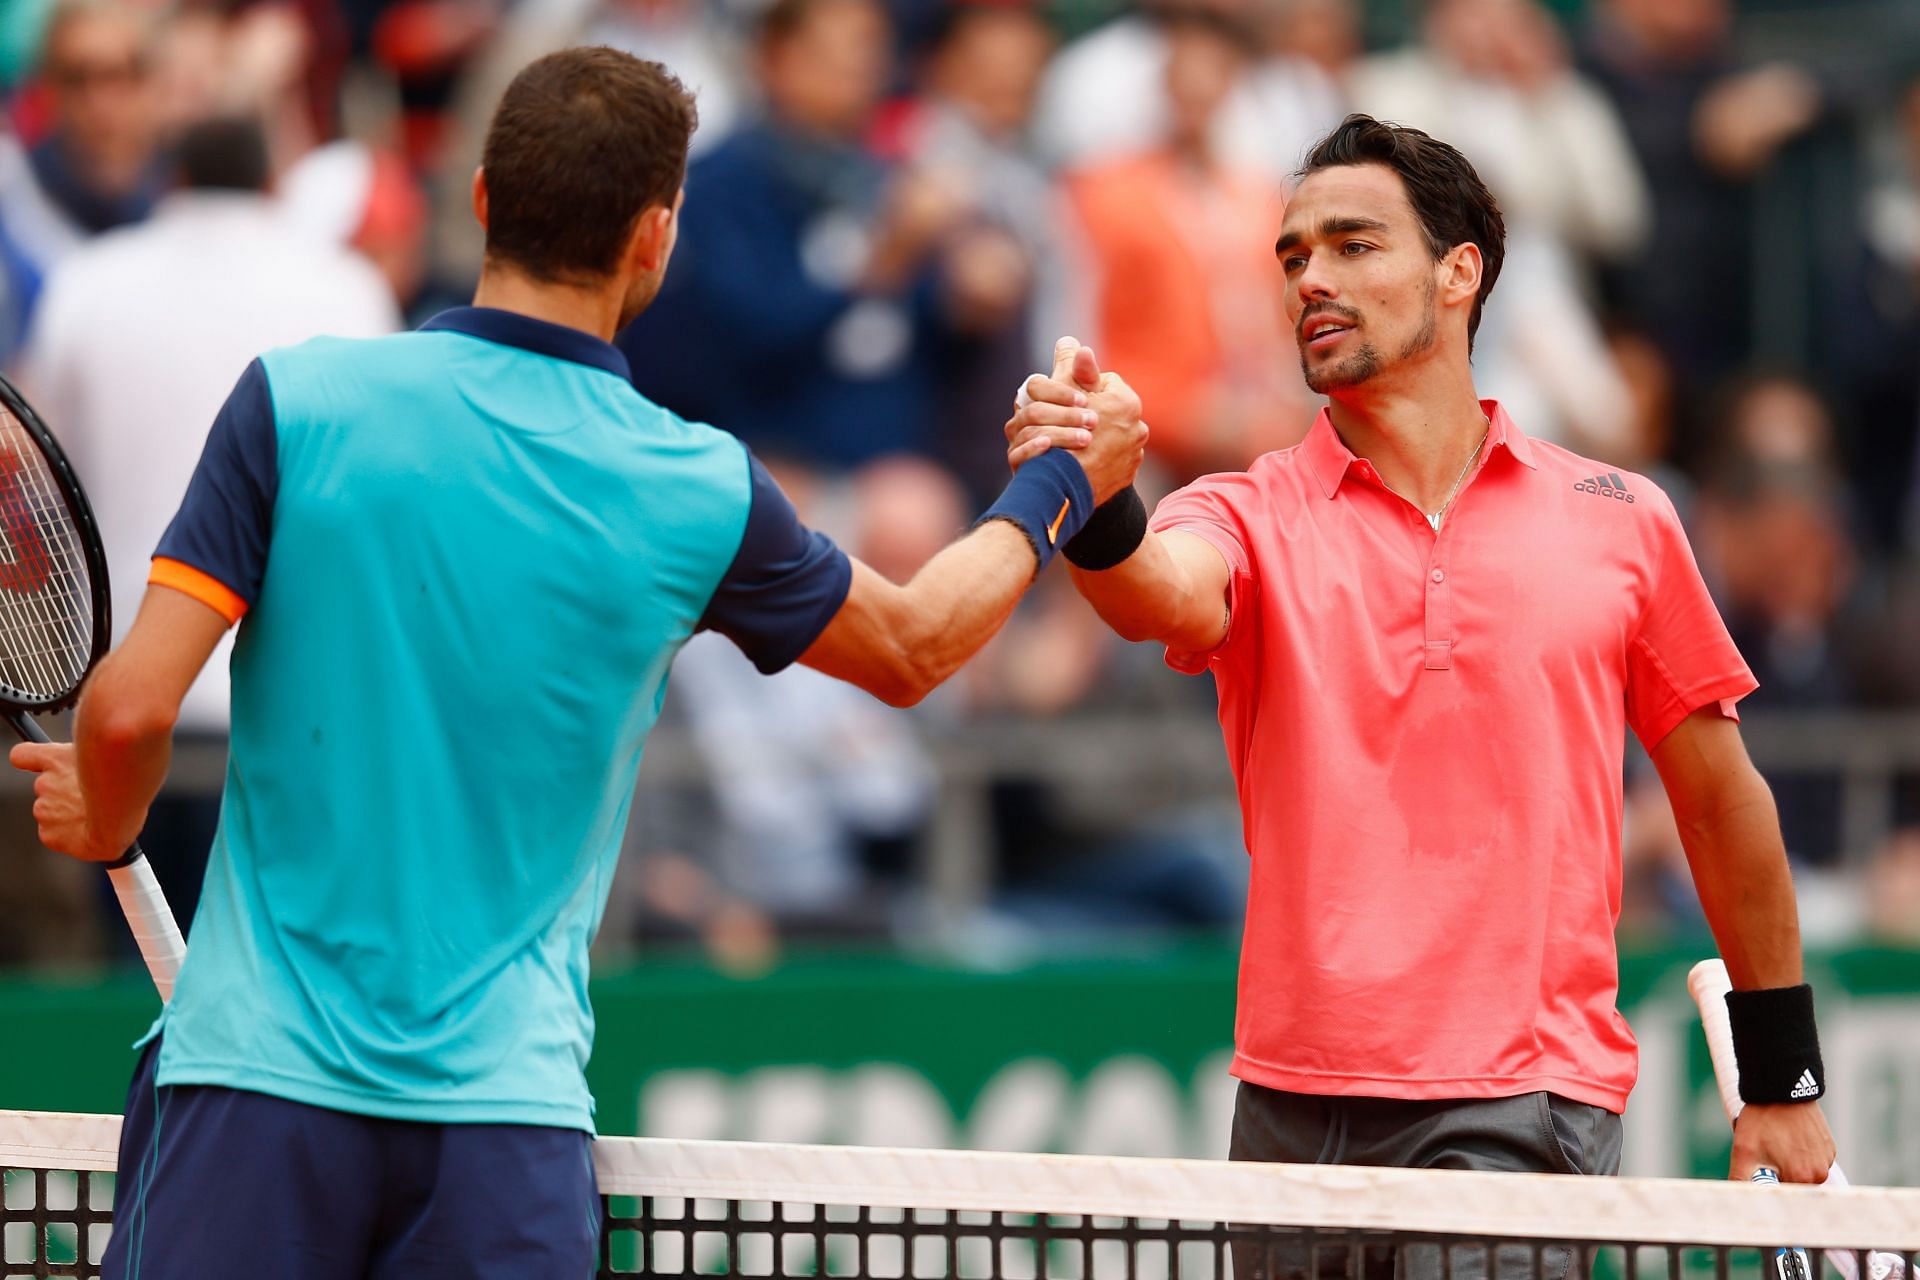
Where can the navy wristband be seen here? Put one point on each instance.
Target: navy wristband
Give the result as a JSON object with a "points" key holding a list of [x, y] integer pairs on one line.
{"points": [[1050, 499], [1775, 1044]]}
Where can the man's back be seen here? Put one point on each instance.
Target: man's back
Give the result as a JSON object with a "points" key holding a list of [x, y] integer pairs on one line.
{"points": [[482, 556], [140, 336]]}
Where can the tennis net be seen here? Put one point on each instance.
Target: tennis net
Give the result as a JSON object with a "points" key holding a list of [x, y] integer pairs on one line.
{"points": [[687, 1209]]}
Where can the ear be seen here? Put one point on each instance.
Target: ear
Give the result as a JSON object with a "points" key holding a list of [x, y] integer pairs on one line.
{"points": [[1460, 275], [480, 197], [653, 235]]}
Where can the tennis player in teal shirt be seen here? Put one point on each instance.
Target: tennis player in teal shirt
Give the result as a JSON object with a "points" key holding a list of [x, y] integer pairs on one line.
{"points": [[461, 561]]}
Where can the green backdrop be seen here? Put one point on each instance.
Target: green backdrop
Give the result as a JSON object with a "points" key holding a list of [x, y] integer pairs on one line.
{"points": [[1113, 1053]]}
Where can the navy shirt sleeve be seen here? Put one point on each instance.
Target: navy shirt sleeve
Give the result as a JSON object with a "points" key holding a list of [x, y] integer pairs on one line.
{"points": [[226, 520], [785, 584]]}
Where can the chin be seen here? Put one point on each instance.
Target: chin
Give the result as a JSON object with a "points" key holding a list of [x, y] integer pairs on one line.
{"points": [[1333, 375]]}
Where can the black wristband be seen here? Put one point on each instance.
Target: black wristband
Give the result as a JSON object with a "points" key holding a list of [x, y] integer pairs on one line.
{"points": [[1115, 531], [1775, 1044]]}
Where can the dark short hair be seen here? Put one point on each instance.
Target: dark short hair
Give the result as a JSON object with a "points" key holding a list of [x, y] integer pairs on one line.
{"points": [[1454, 207], [584, 141], [225, 153]]}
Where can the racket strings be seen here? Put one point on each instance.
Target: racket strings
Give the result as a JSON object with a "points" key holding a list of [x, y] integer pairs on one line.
{"points": [[46, 602]]}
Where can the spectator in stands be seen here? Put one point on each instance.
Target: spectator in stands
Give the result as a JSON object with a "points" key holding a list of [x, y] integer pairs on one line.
{"points": [[1888, 425], [806, 277], [1106, 93], [97, 168], [1776, 547], [1325, 33], [138, 340], [351, 195], [967, 130], [1493, 77], [1187, 295], [1892, 890], [15, 268], [1647, 444], [1702, 128]]}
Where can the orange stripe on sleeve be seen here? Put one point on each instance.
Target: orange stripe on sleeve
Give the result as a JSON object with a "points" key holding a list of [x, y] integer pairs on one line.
{"points": [[204, 587]]}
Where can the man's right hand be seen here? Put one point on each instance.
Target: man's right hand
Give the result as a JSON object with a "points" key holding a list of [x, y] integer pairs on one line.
{"points": [[1095, 414]]}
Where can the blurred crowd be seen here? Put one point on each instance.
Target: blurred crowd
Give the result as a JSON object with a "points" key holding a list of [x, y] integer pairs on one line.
{"points": [[1713, 277]]}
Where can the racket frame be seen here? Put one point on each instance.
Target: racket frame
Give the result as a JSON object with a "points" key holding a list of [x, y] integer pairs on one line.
{"points": [[148, 916], [91, 548]]}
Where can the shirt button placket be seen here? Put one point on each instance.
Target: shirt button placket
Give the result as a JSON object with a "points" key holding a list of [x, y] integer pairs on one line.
{"points": [[1439, 615]]}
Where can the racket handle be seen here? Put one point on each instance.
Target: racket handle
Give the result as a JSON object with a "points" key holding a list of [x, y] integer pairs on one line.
{"points": [[151, 920], [1708, 983], [147, 912], [1787, 1264]]}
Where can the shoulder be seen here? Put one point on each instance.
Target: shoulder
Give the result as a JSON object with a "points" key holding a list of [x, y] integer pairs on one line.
{"points": [[698, 435], [657, 442], [328, 352], [1577, 473], [1608, 505], [333, 371], [1273, 482]]}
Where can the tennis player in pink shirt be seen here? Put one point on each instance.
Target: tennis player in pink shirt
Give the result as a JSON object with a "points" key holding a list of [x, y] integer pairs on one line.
{"points": [[1430, 634]]}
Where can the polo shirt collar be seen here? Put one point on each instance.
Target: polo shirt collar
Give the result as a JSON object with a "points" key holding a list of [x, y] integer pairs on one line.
{"points": [[542, 337], [1328, 456]]}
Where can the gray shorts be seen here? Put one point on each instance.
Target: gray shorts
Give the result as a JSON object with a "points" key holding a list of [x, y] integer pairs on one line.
{"points": [[1530, 1133]]}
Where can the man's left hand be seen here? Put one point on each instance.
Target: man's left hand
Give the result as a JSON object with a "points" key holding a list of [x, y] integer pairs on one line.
{"points": [[59, 807], [1791, 1138]]}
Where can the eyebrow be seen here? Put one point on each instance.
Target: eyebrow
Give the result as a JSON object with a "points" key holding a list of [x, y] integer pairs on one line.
{"points": [[1329, 227]]}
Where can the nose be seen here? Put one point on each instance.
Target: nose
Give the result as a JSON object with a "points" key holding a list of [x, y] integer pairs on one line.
{"points": [[1314, 283]]}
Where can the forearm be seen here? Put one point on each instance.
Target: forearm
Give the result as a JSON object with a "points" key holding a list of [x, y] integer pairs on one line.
{"points": [[123, 743], [1153, 595], [962, 597], [1732, 839]]}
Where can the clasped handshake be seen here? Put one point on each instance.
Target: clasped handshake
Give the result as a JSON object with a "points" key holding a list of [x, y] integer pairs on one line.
{"points": [[1081, 408]]}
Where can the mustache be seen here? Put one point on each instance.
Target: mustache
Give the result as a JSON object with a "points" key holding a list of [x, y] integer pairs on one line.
{"points": [[1345, 314]]}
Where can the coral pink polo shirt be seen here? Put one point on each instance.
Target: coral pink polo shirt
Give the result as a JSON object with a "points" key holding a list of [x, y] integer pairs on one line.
{"points": [[1427, 734]]}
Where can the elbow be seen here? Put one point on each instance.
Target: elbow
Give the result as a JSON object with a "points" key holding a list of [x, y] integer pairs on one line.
{"points": [[913, 666], [121, 724], [909, 679], [1133, 626], [903, 694]]}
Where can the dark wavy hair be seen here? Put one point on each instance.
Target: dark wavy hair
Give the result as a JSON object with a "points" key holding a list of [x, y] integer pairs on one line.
{"points": [[1452, 203], [584, 142]]}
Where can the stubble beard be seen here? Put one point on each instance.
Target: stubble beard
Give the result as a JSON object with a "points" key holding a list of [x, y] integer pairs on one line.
{"points": [[1365, 363], [1355, 369]]}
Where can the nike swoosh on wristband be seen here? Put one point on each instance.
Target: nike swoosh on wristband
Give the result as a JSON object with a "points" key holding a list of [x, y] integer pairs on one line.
{"points": [[1053, 530]]}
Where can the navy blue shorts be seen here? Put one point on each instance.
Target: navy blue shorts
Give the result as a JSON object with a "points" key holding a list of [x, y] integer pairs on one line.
{"points": [[218, 1183]]}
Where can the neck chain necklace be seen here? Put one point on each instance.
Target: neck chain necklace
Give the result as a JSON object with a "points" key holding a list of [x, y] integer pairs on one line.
{"points": [[1459, 480]]}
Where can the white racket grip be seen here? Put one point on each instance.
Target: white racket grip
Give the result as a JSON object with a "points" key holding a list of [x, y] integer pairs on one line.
{"points": [[151, 920], [1708, 983]]}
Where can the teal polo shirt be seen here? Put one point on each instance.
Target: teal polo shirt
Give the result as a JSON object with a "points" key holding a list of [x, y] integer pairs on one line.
{"points": [[465, 558]]}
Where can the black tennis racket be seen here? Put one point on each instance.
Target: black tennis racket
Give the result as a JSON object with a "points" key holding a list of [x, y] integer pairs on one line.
{"points": [[55, 622]]}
